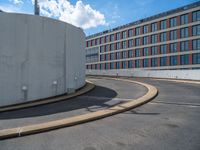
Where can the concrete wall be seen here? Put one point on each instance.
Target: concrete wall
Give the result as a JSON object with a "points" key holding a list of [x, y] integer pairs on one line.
{"points": [[45, 56], [176, 74]]}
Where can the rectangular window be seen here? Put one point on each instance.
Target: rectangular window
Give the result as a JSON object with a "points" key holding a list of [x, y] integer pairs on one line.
{"points": [[173, 22], [137, 53], [154, 62], [107, 38], [184, 46], [163, 49], [137, 31], [196, 58], [123, 34], [196, 30], [124, 54], [112, 37], [107, 57], [101, 49], [118, 36], [173, 60], [145, 29], [163, 37], [145, 40], [112, 65], [118, 46], [163, 61], [154, 50], [184, 32], [196, 44], [154, 38], [173, 35], [97, 41], [130, 53], [154, 27], [145, 62], [184, 59], [130, 43], [106, 48], [123, 65], [101, 40], [184, 19], [163, 24], [137, 42], [130, 33], [137, 63], [173, 47], [112, 46], [196, 16], [123, 44], [101, 66], [130, 64], [112, 56], [118, 65], [118, 55], [145, 51], [102, 58]]}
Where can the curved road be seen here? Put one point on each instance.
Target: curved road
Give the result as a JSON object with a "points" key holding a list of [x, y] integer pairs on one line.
{"points": [[169, 122]]}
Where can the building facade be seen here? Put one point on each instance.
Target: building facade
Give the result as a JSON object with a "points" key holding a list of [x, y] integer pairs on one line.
{"points": [[170, 40]]}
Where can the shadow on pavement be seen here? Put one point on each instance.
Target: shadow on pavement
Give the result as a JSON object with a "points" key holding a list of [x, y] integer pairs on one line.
{"points": [[92, 98]]}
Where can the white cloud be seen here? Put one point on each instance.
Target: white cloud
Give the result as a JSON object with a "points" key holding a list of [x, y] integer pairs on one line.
{"points": [[80, 15], [16, 1]]}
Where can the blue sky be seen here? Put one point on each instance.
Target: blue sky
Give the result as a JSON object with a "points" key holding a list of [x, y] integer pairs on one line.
{"points": [[95, 15]]}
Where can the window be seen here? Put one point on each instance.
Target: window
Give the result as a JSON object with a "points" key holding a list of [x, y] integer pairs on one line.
{"points": [[130, 64], [196, 16], [154, 27], [117, 36], [107, 57], [184, 59], [123, 44], [196, 58], [97, 41], [137, 53], [137, 31], [124, 54], [101, 49], [118, 46], [173, 60], [107, 38], [101, 66], [112, 65], [196, 30], [145, 62], [145, 29], [145, 51], [184, 19], [101, 40], [154, 62], [112, 46], [173, 22], [163, 61], [137, 63], [130, 43], [130, 33], [106, 48], [93, 42], [102, 58], [163, 49], [112, 56], [173, 35], [196, 44], [163, 24], [130, 53], [184, 46], [145, 40], [184, 32], [118, 55], [123, 65], [163, 37], [154, 50], [137, 42], [154, 38], [123, 34], [118, 65], [112, 37], [173, 47]]}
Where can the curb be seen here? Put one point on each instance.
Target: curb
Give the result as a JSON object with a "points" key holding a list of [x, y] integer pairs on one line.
{"points": [[88, 87], [178, 81], [37, 128]]}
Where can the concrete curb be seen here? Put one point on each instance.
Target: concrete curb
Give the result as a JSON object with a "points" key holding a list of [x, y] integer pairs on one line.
{"points": [[88, 87], [37, 128], [178, 81]]}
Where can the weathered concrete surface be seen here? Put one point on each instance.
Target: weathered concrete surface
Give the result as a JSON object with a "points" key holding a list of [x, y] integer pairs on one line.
{"points": [[45, 56]]}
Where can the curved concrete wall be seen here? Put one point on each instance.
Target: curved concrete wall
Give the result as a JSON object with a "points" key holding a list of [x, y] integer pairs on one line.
{"points": [[39, 57]]}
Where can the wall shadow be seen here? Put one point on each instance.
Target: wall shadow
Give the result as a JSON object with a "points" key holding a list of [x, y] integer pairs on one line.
{"points": [[97, 97]]}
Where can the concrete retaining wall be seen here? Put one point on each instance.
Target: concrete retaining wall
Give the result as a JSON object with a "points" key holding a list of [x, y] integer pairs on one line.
{"points": [[177, 74], [39, 57]]}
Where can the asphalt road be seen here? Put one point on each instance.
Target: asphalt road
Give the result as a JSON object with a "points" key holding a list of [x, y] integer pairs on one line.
{"points": [[169, 122]]}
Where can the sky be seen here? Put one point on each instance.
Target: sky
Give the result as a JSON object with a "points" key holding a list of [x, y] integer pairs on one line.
{"points": [[94, 16]]}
